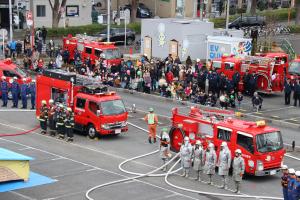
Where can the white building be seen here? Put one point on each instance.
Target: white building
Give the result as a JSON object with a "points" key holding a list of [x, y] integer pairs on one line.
{"points": [[76, 13]]}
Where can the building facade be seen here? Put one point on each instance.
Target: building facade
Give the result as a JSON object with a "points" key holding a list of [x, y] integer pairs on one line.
{"points": [[76, 13]]}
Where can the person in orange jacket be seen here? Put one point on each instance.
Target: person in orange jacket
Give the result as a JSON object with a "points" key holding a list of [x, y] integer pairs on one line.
{"points": [[152, 121]]}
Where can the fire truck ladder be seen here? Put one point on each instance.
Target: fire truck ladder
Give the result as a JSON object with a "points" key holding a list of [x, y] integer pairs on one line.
{"points": [[217, 114]]}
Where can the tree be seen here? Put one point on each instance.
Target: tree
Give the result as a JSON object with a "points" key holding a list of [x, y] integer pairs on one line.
{"points": [[134, 5], [56, 14], [253, 7], [297, 3]]}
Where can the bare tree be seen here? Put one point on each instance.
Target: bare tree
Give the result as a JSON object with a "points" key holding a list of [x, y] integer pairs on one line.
{"points": [[297, 4], [56, 14], [253, 7], [134, 5]]}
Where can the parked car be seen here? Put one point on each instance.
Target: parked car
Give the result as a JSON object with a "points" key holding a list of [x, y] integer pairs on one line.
{"points": [[117, 35], [142, 10], [247, 21]]}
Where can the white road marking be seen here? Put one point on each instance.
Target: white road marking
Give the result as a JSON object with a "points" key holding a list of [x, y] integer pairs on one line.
{"points": [[16, 110], [275, 109], [290, 156], [21, 195]]}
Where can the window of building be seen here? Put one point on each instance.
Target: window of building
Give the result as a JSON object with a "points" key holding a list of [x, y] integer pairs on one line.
{"points": [[80, 103], [224, 135], [41, 11]]}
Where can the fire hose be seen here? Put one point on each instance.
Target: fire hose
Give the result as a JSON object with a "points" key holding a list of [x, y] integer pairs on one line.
{"points": [[21, 133]]}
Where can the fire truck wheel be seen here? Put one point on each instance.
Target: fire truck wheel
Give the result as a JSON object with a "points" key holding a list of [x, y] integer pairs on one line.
{"points": [[91, 131], [176, 138]]}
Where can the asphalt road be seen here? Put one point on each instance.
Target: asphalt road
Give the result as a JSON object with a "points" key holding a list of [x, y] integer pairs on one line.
{"points": [[87, 163]]}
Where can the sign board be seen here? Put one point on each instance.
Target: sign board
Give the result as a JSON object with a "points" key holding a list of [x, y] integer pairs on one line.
{"points": [[3, 32], [100, 19], [216, 50], [29, 18]]}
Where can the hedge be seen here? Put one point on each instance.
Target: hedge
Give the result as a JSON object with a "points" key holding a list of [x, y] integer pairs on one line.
{"points": [[88, 29], [294, 28], [276, 15]]}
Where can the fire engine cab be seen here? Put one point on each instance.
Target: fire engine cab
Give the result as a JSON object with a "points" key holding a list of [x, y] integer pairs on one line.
{"points": [[89, 47], [270, 76], [261, 145], [96, 110]]}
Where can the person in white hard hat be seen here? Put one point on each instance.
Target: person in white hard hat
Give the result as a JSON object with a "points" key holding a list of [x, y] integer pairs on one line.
{"points": [[164, 147], [291, 182], [43, 117], [284, 181], [32, 91], [210, 161], [24, 92], [4, 91], [69, 124], [60, 123], [15, 90], [51, 117], [198, 159], [296, 188], [186, 151], [224, 163], [238, 169]]}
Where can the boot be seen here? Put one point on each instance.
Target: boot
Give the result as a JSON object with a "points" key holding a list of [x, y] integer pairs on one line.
{"points": [[187, 174], [154, 140], [199, 177], [149, 140], [183, 174]]}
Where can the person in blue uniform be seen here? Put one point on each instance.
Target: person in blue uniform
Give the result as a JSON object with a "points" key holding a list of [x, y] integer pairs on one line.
{"points": [[15, 89], [24, 90], [284, 181], [32, 91], [296, 188], [4, 91], [291, 181]]}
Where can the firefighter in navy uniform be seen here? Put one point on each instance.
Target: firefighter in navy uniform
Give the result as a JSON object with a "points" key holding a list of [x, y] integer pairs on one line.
{"points": [[43, 117], [69, 124], [51, 117], [4, 91], [60, 123], [284, 181]]}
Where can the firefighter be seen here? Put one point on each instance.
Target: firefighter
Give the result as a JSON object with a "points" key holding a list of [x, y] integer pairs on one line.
{"points": [[198, 159], [43, 117], [186, 151], [24, 90], [296, 93], [236, 79], [210, 161], [152, 121], [238, 169], [296, 188], [291, 182], [224, 163], [32, 91], [15, 89], [60, 123], [287, 91], [284, 181], [69, 124], [51, 115], [165, 147], [4, 91]]}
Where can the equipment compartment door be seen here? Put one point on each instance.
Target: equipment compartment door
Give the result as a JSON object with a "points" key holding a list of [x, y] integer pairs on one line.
{"points": [[148, 46]]}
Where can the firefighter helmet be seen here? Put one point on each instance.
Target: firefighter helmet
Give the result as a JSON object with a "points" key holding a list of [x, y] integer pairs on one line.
{"points": [[15, 78], [297, 173], [44, 102], [3, 77], [24, 79], [224, 144], [238, 151], [186, 138], [51, 101], [284, 167], [211, 145], [33, 80], [291, 171], [69, 109], [61, 105], [198, 142], [151, 110]]}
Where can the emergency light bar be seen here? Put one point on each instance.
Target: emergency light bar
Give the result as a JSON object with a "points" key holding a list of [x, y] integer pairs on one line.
{"points": [[260, 123]]}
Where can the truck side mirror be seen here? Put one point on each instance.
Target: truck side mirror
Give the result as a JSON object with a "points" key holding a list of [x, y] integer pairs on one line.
{"points": [[98, 113]]}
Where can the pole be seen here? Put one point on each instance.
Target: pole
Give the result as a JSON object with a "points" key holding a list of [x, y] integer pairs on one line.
{"points": [[125, 41], [3, 43], [108, 20], [195, 9], [227, 15], [201, 10], [155, 7], [10, 21]]}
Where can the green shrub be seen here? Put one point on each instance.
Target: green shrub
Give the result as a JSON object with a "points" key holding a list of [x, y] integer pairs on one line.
{"points": [[294, 29]]}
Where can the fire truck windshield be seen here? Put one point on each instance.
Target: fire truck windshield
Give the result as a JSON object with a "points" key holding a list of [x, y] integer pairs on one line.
{"points": [[21, 72], [294, 68], [113, 107], [111, 53], [268, 142]]}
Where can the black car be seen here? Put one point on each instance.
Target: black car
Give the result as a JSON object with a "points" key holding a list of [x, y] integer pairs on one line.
{"points": [[142, 10], [247, 21], [117, 35]]}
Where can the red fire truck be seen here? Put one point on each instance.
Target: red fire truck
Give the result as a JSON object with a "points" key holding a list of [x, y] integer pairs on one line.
{"points": [[10, 70], [96, 110], [270, 75], [89, 48], [261, 145]]}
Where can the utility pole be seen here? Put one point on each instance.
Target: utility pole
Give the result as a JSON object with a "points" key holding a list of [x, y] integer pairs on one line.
{"points": [[10, 21], [195, 9], [108, 20], [201, 9], [227, 15]]}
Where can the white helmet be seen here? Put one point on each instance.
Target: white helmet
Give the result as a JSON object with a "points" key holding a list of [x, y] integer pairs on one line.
{"points": [[186, 138], [51, 101], [211, 145], [238, 151], [61, 105], [3, 77], [69, 109], [291, 171], [33, 80], [224, 144], [284, 167], [15, 78], [24, 79], [198, 60], [198, 142], [297, 173], [44, 102]]}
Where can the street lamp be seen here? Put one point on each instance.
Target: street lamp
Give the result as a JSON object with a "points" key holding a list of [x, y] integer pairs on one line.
{"points": [[108, 20], [10, 21], [227, 15]]}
